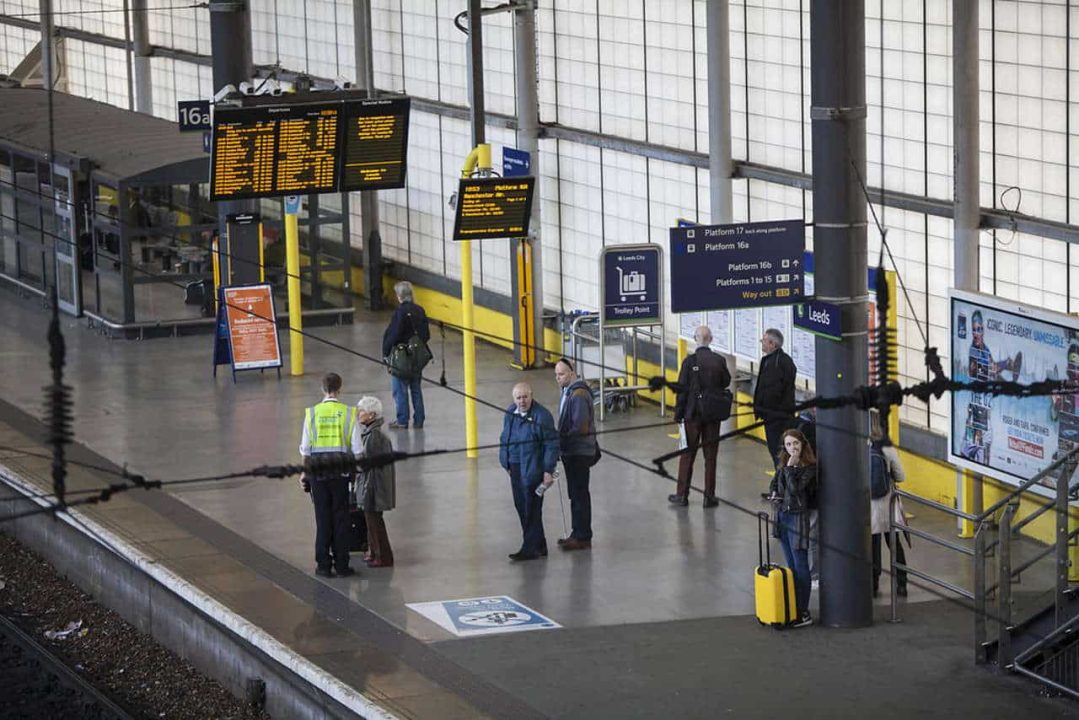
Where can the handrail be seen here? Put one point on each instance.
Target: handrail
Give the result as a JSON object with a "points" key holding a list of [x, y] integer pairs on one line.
{"points": [[1027, 484], [1041, 554], [934, 539], [938, 506], [1042, 509]]}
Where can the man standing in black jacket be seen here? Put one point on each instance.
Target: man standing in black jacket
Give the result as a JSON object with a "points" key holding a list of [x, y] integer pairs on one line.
{"points": [[701, 382], [773, 400], [408, 319], [577, 446]]}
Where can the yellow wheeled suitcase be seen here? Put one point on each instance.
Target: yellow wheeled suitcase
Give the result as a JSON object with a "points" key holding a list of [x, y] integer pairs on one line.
{"points": [[773, 585]]}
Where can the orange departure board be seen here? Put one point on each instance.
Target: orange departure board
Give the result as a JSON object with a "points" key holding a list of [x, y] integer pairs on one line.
{"points": [[280, 146], [376, 144], [493, 208]]}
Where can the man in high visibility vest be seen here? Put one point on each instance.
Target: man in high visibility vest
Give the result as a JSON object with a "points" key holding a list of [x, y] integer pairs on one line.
{"points": [[329, 431]]}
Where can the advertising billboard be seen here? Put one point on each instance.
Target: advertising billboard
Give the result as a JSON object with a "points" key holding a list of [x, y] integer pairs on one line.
{"points": [[1011, 438]]}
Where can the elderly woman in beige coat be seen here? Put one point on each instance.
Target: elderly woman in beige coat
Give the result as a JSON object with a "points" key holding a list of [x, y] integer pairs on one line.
{"points": [[376, 488]]}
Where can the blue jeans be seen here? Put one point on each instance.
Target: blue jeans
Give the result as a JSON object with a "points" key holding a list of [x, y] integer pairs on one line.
{"points": [[529, 511], [580, 499], [401, 389], [789, 537]]}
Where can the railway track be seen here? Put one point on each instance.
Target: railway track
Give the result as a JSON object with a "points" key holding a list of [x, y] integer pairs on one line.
{"points": [[34, 683]]}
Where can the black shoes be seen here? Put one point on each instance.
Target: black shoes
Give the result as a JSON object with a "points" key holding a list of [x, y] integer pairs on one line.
{"points": [[710, 501], [901, 591], [346, 572], [803, 621], [679, 500], [324, 571], [521, 556]]}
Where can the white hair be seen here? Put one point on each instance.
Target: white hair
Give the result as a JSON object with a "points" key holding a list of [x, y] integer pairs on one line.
{"points": [[776, 336], [703, 335], [403, 290], [370, 404]]}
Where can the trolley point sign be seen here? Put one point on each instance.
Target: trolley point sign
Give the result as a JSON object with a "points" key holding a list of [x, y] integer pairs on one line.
{"points": [[630, 280]]}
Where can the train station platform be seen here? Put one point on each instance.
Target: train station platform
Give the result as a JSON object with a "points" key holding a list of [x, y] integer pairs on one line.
{"points": [[655, 621]]}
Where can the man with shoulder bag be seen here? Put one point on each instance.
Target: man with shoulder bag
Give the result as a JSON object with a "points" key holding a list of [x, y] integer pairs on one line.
{"points": [[404, 347], [704, 402], [578, 449]]}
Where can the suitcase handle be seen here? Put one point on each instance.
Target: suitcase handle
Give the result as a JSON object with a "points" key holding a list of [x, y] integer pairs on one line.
{"points": [[763, 546]]}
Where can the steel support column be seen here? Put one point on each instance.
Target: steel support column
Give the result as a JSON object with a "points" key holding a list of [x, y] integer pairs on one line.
{"points": [[369, 229], [837, 42], [720, 165], [140, 47]]}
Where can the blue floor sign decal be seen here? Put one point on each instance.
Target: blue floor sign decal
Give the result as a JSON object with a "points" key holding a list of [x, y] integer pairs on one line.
{"points": [[483, 616]]}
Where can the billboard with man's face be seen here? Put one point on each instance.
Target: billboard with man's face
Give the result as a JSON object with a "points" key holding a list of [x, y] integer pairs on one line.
{"points": [[1011, 438]]}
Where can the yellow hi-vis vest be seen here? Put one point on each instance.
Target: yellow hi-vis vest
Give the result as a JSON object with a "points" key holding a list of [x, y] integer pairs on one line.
{"points": [[329, 427]]}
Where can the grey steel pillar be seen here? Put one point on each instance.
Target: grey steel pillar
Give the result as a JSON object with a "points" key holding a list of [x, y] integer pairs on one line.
{"points": [[965, 125], [48, 36], [720, 166], [475, 72], [230, 45], [965, 154], [837, 43], [369, 232], [140, 41], [524, 28]]}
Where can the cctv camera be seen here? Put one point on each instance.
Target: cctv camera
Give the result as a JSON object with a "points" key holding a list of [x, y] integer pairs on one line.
{"points": [[224, 92], [246, 88]]}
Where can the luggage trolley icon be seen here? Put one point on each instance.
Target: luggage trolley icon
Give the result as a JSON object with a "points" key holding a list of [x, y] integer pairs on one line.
{"points": [[632, 283]]}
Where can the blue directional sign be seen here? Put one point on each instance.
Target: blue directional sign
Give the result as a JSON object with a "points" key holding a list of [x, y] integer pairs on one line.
{"points": [[819, 318], [718, 267], [631, 277], [193, 115], [516, 163]]}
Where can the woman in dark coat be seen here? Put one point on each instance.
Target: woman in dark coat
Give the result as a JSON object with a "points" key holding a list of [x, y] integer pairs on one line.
{"points": [[376, 488], [793, 486]]}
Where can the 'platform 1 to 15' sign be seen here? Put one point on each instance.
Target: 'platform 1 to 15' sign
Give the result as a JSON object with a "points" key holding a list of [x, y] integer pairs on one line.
{"points": [[630, 280], [718, 267]]}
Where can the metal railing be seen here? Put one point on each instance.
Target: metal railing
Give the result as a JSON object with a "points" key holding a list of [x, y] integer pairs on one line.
{"points": [[994, 529]]}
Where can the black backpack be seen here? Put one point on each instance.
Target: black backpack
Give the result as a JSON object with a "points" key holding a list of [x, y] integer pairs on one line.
{"points": [[714, 404], [880, 478]]}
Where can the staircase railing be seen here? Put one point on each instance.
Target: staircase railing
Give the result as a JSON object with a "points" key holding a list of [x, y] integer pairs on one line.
{"points": [[994, 529]]}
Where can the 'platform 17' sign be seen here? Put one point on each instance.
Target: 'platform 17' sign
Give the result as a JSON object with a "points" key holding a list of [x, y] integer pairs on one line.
{"points": [[630, 280], [718, 267]]}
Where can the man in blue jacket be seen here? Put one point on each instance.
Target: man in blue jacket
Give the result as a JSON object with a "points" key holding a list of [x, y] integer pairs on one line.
{"points": [[577, 438], [528, 450]]}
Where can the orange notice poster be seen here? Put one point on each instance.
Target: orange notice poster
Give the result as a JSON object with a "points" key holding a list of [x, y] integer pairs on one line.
{"points": [[252, 327]]}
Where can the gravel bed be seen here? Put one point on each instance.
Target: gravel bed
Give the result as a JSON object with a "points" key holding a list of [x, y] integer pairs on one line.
{"points": [[145, 678]]}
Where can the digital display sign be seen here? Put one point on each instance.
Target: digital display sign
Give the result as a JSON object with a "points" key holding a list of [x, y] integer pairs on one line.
{"points": [[300, 148], [493, 208]]}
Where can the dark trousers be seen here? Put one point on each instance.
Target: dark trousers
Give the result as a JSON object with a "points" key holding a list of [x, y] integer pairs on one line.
{"points": [[333, 528], [773, 435], [698, 434], [900, 556], [378, 542], [529, 510], [580, 498]]}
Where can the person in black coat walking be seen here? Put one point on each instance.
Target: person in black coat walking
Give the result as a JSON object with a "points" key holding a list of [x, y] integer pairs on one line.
{"points": [[408, 319], [701, 381], [773, 399]]}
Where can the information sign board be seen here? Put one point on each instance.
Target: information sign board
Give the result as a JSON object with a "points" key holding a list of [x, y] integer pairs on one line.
{"points": [[193, 115], [252, 328], [302, 148], [516, 163], [630, 280], [1011, 438], [715, 267], [819, 318], [493, 208]]}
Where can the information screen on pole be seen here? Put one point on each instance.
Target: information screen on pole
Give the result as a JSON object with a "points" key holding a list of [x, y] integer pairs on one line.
{"points": [[288, 147], [1011, 438], [716, 267], [493, 208]]}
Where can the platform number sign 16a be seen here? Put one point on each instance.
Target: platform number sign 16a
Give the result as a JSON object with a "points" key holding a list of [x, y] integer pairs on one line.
{"points": [[194, 115]]}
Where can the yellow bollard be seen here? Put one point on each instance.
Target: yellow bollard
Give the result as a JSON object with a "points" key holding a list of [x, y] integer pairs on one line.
{"points": [[295, 299]]}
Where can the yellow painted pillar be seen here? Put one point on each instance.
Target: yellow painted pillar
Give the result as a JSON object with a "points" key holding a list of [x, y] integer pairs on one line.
{"points": [[295, 299], [479, 159], [966, 502], [893, 370]]}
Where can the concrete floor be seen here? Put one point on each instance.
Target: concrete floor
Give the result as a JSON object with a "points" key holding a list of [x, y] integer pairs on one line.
{"points": [[156, 406]]}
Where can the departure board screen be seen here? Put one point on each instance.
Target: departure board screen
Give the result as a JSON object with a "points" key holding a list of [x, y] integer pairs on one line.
{"points": [[375, 145], [493, 208], [302, 148]]}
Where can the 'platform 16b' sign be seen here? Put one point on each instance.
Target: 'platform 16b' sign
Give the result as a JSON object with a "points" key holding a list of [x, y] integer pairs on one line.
{"points": [[718, 267], [630, 278]]}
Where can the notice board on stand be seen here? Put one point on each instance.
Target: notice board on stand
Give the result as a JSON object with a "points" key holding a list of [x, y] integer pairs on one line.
{"points": [[247, 329]]}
